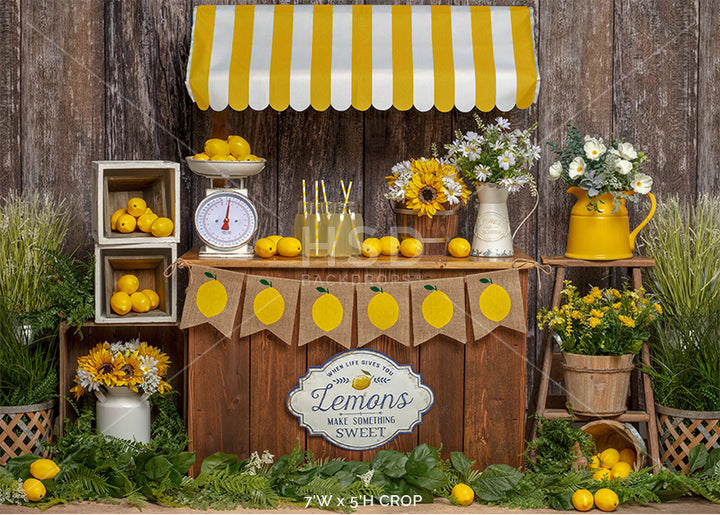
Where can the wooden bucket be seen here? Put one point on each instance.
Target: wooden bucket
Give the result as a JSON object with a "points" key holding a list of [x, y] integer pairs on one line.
{"points": [[609, 434], [597, 386], [681, 430], [435, 233], [24, 428]]}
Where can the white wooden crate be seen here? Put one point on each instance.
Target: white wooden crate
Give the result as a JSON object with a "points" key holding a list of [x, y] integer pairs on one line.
{"points": [[116, 182]]}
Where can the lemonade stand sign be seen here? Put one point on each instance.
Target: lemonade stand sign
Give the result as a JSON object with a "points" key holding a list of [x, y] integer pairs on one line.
{"points": [[360, 399]]}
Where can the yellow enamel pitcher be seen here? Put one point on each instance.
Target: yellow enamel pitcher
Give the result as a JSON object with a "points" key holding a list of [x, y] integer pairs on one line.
{"points": [[601, 235]]}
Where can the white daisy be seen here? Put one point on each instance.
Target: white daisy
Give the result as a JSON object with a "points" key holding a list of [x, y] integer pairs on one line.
{"points": [[482, 172], [506, 160], [502, 123]]}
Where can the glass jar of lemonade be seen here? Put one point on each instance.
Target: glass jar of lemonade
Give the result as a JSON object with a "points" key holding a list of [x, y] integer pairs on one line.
{"points": [[345, 229], [310, 228]]}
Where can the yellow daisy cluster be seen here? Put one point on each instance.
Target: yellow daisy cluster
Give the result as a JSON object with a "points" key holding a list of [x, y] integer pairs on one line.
{"points": [[132, 365], [602, 322]]}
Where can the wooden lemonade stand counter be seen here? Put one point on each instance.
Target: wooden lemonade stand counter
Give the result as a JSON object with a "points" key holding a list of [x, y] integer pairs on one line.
{"points": [[237, 387]]}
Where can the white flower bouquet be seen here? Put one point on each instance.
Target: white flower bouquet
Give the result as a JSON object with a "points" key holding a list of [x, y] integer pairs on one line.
{"points": [[586, 162], [495, 155]]}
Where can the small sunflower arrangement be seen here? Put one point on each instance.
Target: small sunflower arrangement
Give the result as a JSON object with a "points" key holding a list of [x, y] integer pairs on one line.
{"points": [[133, 364], [602, 323], [426, 185]]}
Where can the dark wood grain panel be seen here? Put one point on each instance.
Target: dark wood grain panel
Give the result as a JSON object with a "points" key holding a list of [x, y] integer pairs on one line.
{"points": [[10, 113], [708, 156]]}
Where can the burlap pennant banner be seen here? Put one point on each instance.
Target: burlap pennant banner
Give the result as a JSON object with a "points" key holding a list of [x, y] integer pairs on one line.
{"points": [[383, 309], [438, 307], [495, 300], [326, 309], [212, 296], [270, 303]]}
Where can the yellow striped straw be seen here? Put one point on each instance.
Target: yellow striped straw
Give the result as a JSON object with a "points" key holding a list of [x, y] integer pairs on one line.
{"points": [[317, 221], [304, 199], [327, 206], [352, 220]]}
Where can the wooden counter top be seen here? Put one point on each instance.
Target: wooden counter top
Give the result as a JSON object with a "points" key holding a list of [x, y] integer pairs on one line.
{"points": [[521, 260]]}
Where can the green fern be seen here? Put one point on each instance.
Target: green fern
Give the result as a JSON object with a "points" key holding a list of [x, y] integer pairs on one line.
{"points": [[81, 483]]}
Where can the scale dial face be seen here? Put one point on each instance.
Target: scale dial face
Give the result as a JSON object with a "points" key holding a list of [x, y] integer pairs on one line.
{"points": [[226, 220]]}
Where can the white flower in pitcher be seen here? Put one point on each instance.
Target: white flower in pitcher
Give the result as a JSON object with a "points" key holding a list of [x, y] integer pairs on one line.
{"points": [[453, 191], [576, 168], [506, 160], [642, 183], [624, 166], [555, 170], [627, 151], [482, 172], [502, 123], [594, 148]]}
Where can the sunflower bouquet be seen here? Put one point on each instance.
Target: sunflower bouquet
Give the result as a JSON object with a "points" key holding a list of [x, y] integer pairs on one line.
{"points": [[603, 322], [426, 185], [133, 364]]}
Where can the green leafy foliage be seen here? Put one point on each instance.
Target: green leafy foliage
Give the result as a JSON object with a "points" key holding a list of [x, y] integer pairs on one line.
{"points": [[557, 446]]}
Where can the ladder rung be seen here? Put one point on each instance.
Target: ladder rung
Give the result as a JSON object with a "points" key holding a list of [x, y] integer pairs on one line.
{"points": [[628, 416]]}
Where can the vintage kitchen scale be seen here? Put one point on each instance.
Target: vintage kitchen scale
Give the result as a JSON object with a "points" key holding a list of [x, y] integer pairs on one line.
{"points": [[226, 219]]}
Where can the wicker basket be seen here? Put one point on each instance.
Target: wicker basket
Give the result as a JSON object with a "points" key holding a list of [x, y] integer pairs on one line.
{"points": [[681, 430], [435, 233], [24, 428], [597, 386]]}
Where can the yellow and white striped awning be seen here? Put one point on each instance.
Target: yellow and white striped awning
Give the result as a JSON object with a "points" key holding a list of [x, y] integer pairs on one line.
{"points": [[362, 55]]}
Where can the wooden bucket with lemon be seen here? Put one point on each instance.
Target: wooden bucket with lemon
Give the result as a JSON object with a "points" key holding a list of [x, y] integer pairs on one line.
{"points": [[435, 233]]}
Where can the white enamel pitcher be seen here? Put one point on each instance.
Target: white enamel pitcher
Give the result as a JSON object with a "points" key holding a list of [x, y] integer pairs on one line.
{"points": [[492, 236]]}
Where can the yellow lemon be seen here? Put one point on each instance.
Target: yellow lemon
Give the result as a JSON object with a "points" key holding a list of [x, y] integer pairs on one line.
{"points": [[136, 206], [153, 296], [114, 218], [44, 469], [602, 475], [463, 494], [162, 227], [120, 303], [211, 297], [249, 157], [275, 238], [582, 500], [140, 302], [289, 247], [327, 311], [216, 146], [437, 308], [269, 305], [621, 470], [128, 283], [389, 246], [265, 248], [144, 222], [606, 499], [459, 247], [494, 301], [222, 157], [371, 247], [126, 223], [609, 457], [239, 147], [148, 211], [34, 489], [202, 156], [627, 455], [595, 463], [361, 382], [411, 247], [382, 310]]}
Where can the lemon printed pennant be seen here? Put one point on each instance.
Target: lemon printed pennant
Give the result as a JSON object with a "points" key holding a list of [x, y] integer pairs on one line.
{"points": [[326, 310], [438, 309], [383, 309], [270, 304], [495, 300], [211, 297]]}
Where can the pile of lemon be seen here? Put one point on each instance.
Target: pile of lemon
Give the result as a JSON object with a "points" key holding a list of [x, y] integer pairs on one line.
{"points": [[609, 465], [409, 247], [40, 469], [139, 217], [284, 246], [234, 148], [127, 298]]}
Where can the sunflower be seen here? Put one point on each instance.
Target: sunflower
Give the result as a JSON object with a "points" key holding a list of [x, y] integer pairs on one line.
{"points": [[100, 364], [425, 193], [128, 371], [161, 360]]}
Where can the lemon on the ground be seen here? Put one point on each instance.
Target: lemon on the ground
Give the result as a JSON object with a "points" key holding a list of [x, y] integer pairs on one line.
{"points": [[595, 463], [269, 305], [275, 238], [602, 475], [606, 499], [136, 206], [411, 247], [126, 223], [371, 247], [120, 303], [44, 469], [389, 246], [265, 248], [289, 246], [627, 455], [463, 494], [202, 156], [153, 296], [239, 147], [162, 227], [437, 308], [128, 283], [494, 301], [459, 247], [211, 297], [327, 311], [216, 146], [34, 489], [140, 302], [582, 500], [145, 221], [609, 457], [114, 218], [621, 470], [382, 310], [361, 382]]}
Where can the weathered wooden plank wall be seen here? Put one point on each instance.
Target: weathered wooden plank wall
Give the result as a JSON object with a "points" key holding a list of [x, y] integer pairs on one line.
{"points": [[92, 80]]}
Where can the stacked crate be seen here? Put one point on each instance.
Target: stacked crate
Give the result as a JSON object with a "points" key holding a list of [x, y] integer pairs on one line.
{"points": [[138, 253]]}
